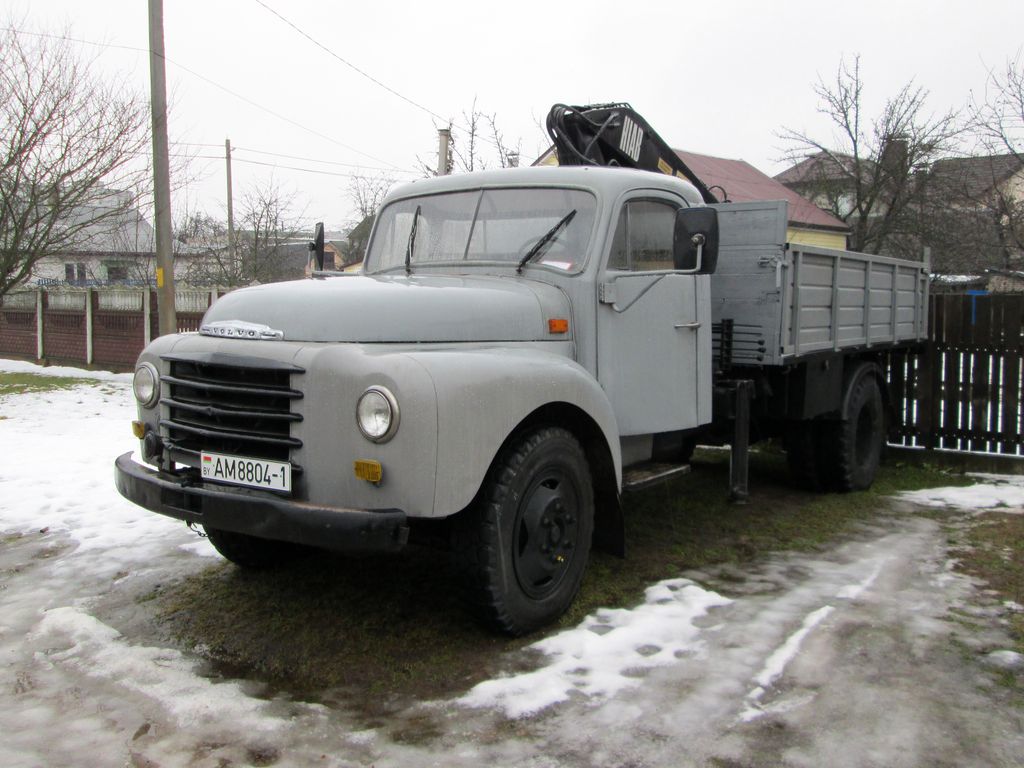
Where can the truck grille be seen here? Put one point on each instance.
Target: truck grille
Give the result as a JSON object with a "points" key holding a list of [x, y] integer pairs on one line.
{"points": [[225, 404]]}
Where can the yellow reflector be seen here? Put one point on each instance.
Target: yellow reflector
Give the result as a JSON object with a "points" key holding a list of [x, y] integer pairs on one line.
{"points": [[558, 325], [138, 429], [370, 471]]}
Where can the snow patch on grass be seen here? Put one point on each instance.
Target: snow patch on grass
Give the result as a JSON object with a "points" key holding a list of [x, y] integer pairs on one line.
{"points": [[1003, 493], [602, 655], [58, 475], [164, 675], [60, 371]]}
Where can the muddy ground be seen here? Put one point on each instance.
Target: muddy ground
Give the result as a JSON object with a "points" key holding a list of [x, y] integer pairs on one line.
{"points": [[896, 673], [800, 630]]}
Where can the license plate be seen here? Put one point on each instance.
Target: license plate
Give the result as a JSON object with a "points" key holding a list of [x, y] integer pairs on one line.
{"points": [[239, 470]]}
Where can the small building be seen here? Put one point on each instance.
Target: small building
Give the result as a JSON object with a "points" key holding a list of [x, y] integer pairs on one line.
{"points": [[1005, 280], [115, 245]]}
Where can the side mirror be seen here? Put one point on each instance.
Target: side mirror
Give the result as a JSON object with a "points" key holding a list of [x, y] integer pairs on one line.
{"points": [[695, 240], [316, 245]]}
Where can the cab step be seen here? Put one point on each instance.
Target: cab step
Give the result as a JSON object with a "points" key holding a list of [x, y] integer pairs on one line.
{"points": [[648, 473]]}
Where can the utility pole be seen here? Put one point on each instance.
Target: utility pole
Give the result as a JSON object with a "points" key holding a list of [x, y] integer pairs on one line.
{"points": [[444, 140], [161, 172], [231, 210]]}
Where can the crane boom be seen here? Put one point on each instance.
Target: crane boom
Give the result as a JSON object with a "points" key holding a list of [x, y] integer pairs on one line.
{"points": [[615, 134]]}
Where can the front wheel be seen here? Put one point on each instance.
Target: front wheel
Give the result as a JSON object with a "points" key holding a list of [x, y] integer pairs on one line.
{"points": [[521, 549], [249, 551]]}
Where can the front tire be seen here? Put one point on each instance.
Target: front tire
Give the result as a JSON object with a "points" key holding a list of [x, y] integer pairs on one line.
{"points": [[249, 551], [522, 548]]}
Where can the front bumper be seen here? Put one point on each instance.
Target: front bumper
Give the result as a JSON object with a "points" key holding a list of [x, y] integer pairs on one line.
{"points": [[257, 514]]}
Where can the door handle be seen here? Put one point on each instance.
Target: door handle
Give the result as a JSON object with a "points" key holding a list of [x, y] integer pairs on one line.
{"points": [[690, 326]]}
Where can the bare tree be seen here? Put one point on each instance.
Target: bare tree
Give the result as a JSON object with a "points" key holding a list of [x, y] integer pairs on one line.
{"points": [[268, 244], [871, 172], [994, 189], [67, 139], [478, 144], [367, 193], [998, 119], [201, 250]]}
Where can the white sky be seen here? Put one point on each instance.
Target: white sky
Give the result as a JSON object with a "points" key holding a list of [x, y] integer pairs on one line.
{"points": [[718, 78]]}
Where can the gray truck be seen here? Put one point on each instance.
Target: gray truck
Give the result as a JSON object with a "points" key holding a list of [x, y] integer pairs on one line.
{"points": [[520, 348]]}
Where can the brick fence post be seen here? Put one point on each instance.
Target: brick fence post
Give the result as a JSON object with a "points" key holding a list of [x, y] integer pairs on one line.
{"points": [[90, 298], [147, 327], [39, 323]]}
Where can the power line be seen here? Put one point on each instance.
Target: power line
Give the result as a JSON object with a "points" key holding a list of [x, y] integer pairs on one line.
{"points": [[371, 78], [349, 64], [216, 85], [295, 168], [313, 159], [272, 165]]}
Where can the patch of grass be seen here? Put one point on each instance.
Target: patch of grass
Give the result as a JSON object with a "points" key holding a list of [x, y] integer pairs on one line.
{"points": [[20, 383], [995, 554], [391, 627], [691, 523]]}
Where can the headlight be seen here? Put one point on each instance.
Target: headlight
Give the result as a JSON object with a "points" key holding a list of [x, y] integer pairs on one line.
{"points": [[146, 385], [377, 414]]}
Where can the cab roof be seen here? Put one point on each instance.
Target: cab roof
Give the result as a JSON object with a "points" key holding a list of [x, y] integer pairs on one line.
{"points": [[606, 182]]}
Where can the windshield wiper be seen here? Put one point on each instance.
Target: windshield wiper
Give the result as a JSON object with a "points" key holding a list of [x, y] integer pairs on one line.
{"points": [[546, 238], [412, 241]]}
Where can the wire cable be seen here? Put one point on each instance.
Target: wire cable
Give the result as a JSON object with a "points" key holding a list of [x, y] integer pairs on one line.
{"points": [[375, 81], [216, 85], [349, 64]]}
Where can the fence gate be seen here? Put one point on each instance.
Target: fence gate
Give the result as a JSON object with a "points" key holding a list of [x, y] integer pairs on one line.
{"points": [[963, 392]]}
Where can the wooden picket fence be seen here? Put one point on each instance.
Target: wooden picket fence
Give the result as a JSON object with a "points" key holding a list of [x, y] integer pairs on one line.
{"points": [[962, 392]]}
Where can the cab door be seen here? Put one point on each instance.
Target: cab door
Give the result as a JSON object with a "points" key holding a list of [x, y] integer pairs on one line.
{"points": [[653, 324]]}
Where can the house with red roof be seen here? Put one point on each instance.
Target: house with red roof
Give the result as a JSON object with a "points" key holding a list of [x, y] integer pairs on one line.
{"points": [[737, 181]]}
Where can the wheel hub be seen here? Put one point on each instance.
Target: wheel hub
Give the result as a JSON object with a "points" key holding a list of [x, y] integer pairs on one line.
{"points": [[546, 535]]}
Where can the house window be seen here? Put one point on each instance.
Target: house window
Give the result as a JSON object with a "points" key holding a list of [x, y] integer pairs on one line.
{"points": [[74, 274], [643, 237], [117, 272]]}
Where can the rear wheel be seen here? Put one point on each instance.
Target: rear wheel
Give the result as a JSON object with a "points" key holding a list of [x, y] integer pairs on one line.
{"points": [[249, 551], [522, 548], [860, 437]]}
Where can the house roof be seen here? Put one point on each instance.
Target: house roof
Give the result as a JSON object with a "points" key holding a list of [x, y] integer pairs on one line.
{"points": [[973, 177], [821, 166], [743, 183], [112, 225]]}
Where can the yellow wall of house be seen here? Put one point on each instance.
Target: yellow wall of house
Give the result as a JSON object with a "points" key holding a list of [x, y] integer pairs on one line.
{"points": [[815, 237]]}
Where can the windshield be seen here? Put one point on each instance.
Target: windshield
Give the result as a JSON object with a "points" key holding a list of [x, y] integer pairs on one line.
{"points": [[485, 226]]}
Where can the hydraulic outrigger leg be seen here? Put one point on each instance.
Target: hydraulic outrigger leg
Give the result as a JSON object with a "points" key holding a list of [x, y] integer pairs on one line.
{"points": [[739, 393]]}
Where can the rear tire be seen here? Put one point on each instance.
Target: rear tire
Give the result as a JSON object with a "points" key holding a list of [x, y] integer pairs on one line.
{"points": [[251, 552], [522, 547], [860, 438]]}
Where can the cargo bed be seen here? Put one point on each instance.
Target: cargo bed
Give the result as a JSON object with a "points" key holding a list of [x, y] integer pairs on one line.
{"points": [[774, 303]]}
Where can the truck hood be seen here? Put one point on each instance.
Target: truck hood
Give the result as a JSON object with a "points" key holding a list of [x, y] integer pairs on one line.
{"points": [[390, 308]]}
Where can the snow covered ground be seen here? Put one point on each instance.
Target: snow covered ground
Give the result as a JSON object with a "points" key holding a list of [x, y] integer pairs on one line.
{"points": [[844, 658]]}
